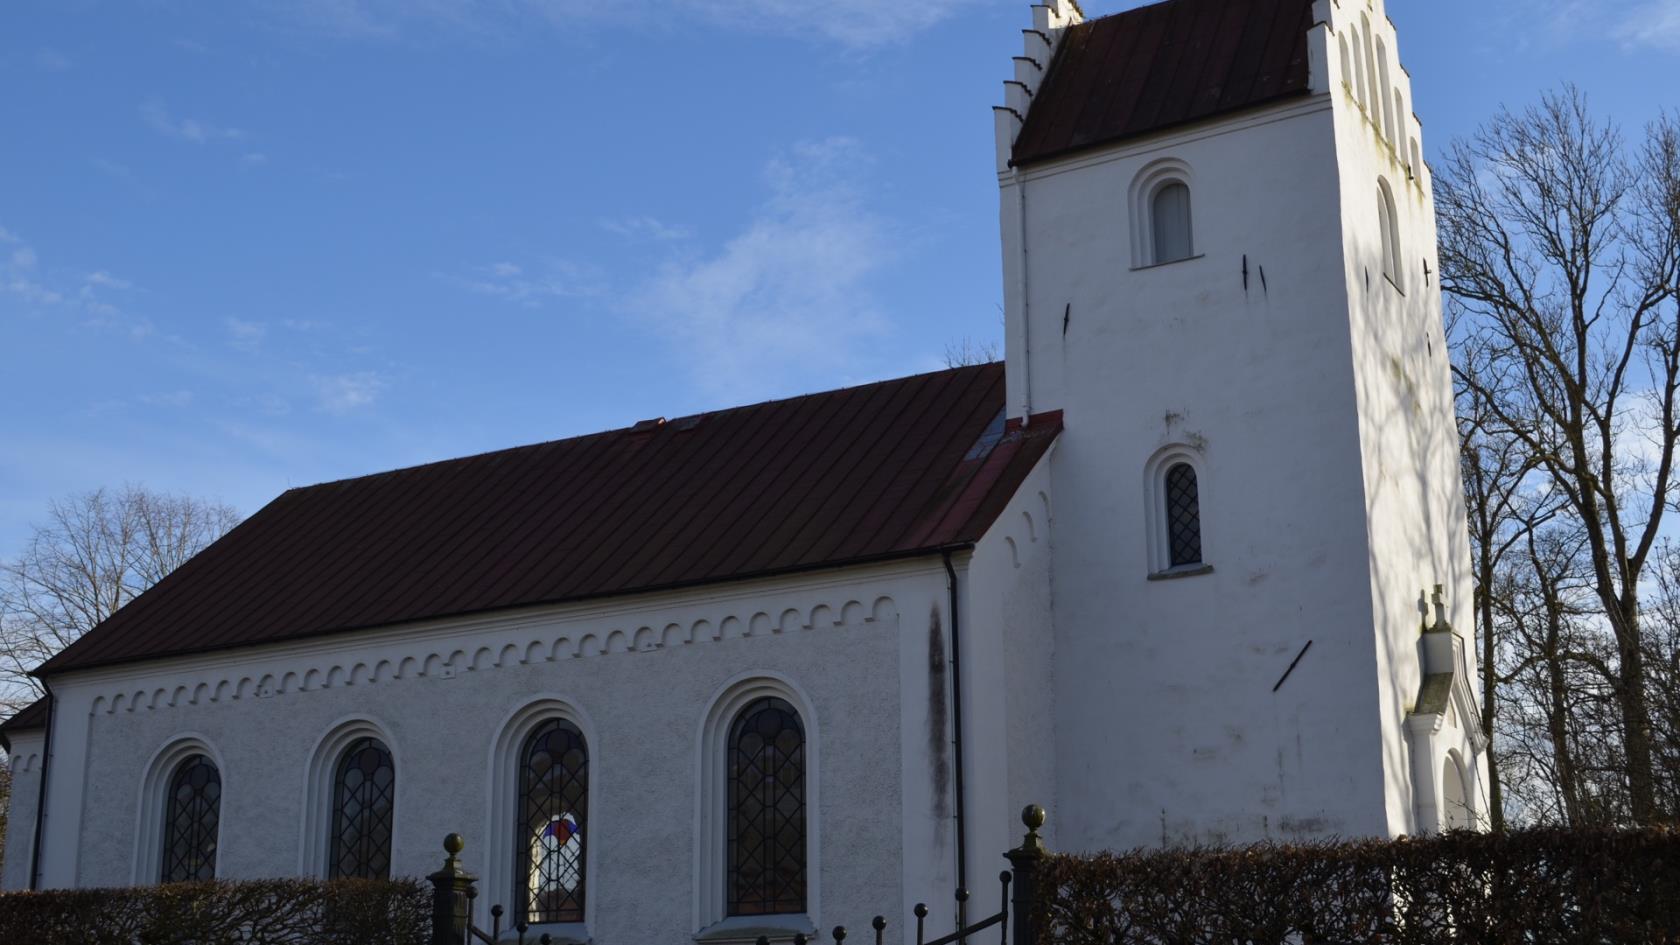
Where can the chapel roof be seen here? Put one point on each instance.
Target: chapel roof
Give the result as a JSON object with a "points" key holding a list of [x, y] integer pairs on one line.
{"points": [[31, 716], [872, 473], [1165, 65]]}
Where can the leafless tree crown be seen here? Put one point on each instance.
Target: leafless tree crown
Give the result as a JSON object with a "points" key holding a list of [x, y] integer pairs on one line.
{"points": [[94, 553]]}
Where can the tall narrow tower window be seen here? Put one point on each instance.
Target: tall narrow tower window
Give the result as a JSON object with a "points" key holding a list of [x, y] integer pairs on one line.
{"points": [[192, 822], [1169, 215], [1184, 516]]}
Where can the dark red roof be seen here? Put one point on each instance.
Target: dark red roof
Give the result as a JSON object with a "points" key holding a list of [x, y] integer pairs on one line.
{"points": [[31, 716], [887, 470], [1164, 65]]}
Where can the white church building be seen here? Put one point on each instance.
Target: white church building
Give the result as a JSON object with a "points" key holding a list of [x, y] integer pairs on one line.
{"points": [[1190, 566]]}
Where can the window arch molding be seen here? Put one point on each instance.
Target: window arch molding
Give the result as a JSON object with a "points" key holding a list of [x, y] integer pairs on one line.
{"points": [[711, 848], [322, 775], [1156, 519], [1149, 182], [154, 796], [503, 885]]}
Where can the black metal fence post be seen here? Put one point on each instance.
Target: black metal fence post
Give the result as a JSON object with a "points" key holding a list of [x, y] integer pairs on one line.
{"points": [[452, 890], [1027, 861]]}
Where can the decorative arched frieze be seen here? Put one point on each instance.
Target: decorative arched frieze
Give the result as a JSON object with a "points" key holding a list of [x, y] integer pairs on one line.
{"points": [[711, 817], [442, 659], [316, 842], [154, 797]]}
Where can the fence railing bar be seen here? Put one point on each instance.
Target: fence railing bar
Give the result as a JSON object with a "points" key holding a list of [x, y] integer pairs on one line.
{"points": [[963, 933]]}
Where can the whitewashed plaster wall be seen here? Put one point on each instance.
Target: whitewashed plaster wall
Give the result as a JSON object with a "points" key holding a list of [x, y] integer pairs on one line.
{"points": [[642, 672], [1408, 435], [25, 760], [1008, 648], [1167, 725]]}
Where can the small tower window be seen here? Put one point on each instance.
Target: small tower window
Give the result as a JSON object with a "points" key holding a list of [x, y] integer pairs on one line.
{"points": [[1347, 64], [1388, 222], [1184, 517], [364, 795], [192, 822], [1169, 215]]}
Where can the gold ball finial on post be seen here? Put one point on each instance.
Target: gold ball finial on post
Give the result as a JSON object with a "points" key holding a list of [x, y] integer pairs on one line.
{"points": [[454, 844]]}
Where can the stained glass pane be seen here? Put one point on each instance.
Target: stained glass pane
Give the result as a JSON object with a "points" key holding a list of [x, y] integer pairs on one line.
{"points": [[767, 810], [1184, 516], [191, 820], [554, 802], [364, 804]]}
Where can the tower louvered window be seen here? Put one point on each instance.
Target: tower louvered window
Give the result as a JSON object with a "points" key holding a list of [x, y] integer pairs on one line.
{"points": [[191, 821], [554, 805], [767, 810], [1184, 516], [364, 801]]}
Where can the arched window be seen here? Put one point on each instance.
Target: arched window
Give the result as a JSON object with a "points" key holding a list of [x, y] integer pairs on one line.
{"points": [[1183, 516], [554, 818], [1374, 101], [1347, 63], [1169, 219], [192, 821], [1455, 798], [766, 805], [364, 800], [1388, 221], [1390, 120], [1359, 72]]}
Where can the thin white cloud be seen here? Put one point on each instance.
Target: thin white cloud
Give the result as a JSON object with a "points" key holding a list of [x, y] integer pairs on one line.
{"points": [[176, 399], [26, 283], [860, 24], [344, 393], [244, 335], [158, 117], [51, 60], [791, 295], [647, 229], [1654, 23], [254, 158], [523, 285]]}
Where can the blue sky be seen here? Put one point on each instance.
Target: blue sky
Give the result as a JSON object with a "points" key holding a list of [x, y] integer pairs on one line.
{"points": [[254, 244]]}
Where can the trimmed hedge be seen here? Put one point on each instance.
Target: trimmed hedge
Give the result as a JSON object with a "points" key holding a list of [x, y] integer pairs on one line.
{"points": [[264, 912], [1535, 887]]}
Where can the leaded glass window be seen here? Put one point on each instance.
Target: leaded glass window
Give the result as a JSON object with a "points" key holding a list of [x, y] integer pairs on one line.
{"points": [[191, 821], [554, 801], [364, 798], [1184, 516], [767, 810]]}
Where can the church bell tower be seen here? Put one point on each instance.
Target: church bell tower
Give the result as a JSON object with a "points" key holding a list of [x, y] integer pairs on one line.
{"points": [[1219, 262]]}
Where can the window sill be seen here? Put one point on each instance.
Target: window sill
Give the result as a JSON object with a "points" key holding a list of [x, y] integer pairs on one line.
{"points": [[559, 933], [1170, 262], [1182, 571], [747, 929]]}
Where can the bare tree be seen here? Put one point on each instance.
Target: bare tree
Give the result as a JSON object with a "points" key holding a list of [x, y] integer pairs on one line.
{"points": [[1560, 253], [96, 552], [968, 352]]}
